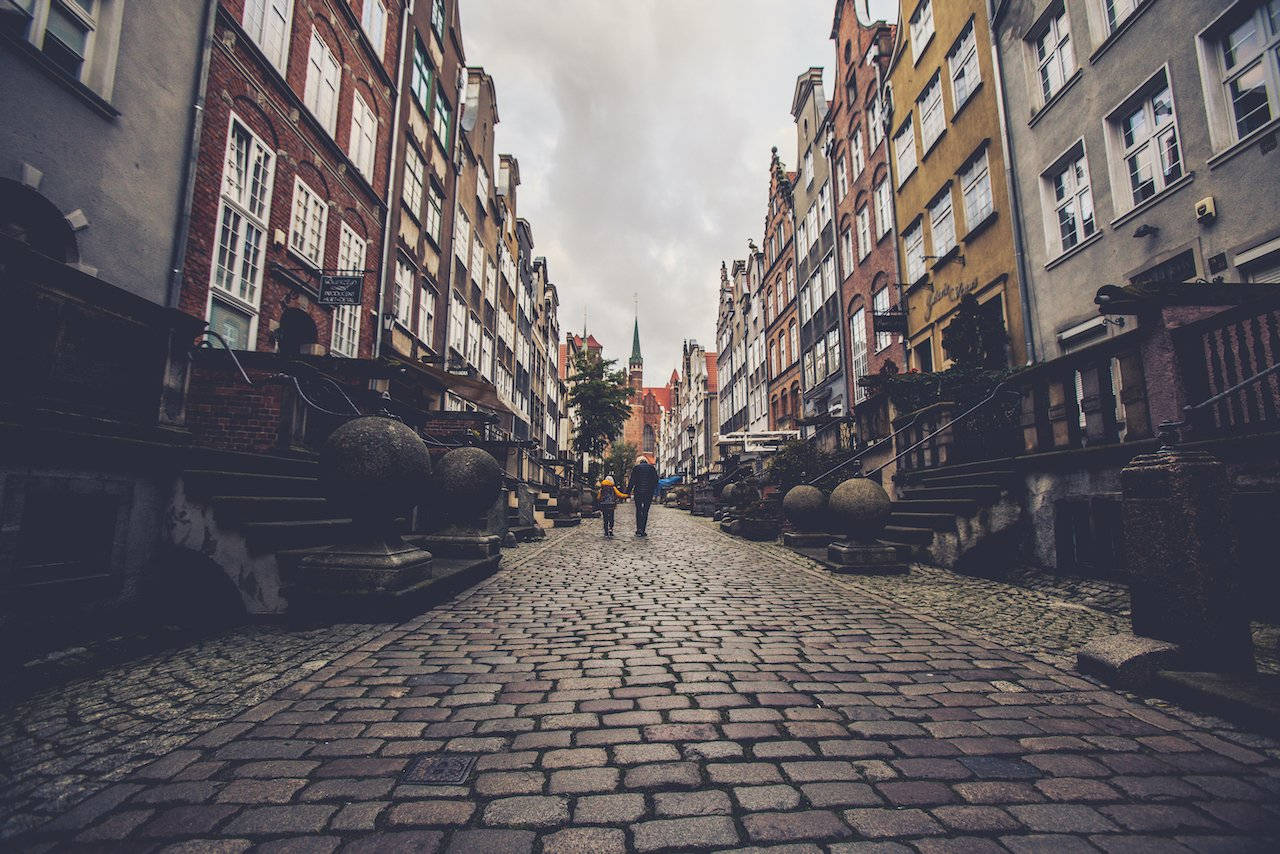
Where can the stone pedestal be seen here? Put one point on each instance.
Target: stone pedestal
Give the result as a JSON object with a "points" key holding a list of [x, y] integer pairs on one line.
{"points": [[860, 508], [462, 543], [874, 558], [807, 539], [372, 569], [1184, 577]]}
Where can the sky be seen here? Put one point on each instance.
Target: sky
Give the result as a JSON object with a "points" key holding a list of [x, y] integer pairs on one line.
{"points": [[643, 129]]}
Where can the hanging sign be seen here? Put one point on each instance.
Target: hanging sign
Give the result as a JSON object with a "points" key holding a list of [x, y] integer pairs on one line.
{"points": [[889, 322], [341, 289]]}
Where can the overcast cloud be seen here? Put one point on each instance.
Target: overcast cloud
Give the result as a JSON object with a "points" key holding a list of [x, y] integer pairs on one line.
{"points": [[643, 131]]}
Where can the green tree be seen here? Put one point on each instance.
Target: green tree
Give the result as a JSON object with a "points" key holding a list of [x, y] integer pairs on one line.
{"points": [[974, 338], [618, 462], [599, 394]]}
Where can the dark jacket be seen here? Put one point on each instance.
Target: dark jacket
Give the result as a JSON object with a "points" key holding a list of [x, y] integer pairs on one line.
{"points": [[643, 482]]}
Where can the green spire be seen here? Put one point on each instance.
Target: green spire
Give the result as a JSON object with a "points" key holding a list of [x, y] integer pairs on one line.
{"points": [[636, 358]]}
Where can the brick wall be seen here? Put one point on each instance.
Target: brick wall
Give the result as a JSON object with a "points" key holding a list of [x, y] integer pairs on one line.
{"points": [[225, 413]]}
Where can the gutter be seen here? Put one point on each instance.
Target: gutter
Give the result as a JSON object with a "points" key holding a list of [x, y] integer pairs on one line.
{"points": [[391, 170], [178, 257], [1028, 332]]}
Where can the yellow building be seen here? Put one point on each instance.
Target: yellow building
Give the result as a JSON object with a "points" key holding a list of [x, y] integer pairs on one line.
{"points": [[952, 207]]}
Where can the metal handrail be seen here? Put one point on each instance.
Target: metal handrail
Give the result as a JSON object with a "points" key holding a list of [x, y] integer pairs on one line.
{"points": [[281, 377], [999, 389]]}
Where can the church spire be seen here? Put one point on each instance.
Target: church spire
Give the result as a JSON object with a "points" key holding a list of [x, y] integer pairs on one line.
{"points": [[636, 359]]}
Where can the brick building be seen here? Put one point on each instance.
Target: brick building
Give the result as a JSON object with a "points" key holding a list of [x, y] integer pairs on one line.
{"points": [[782, 331], [648, 403]]}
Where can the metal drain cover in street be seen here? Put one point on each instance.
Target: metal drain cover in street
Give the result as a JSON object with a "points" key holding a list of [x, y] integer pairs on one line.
{"points": [[440, 768]]}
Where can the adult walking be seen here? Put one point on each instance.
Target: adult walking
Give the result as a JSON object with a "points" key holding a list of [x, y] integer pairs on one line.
{"points": [[641, 486]]}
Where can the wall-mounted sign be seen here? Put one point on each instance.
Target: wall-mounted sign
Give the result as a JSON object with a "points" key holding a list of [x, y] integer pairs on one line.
{"points": [[889, 322], [341, 289], [1179, 268]]}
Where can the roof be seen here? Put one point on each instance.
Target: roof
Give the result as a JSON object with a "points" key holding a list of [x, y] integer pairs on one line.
{"points": [[712, 374], [662, 394]]}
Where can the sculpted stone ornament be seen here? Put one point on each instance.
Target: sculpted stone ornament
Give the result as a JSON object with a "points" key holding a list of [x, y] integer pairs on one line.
{"points": [[806, 509], [467, 483], [372, 468], [859, 508]]}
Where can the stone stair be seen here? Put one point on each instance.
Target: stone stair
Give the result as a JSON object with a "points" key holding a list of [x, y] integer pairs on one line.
{"points": [[957, 516]]}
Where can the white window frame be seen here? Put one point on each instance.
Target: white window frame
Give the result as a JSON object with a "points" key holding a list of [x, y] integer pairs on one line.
{"points": [[824, 205], [1216, 78], [1146, 147], [434, 213], [1116, 12], [904, 150], [426, 315], [863, 218], [942, 223], [402, 292], [373, 20], [921, 26], [242, 210], [345, 338], [442, 118], [975, 187], [875, 123], [883, 197], [858, 154], [842, 178], [473, 339], [308, 223], [1077, 195], [461, 235], [324, 83], [882, 306], [458, 324], [1054, 54], [962, 67], [848, 254], [859, 363], [363, 142], [268, 23], [913, 252], [933, 118]]}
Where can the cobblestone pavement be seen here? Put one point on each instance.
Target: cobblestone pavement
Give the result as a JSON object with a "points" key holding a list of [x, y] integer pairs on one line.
{"points": [[692, 692]]}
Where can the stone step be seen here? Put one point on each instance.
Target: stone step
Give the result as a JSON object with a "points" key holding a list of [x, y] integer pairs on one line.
{"points": [[933, 521], [1003, 465], [908, 535], [274, 536], [235, 509], [982, 493], [984, 478], [211, 482], [953, 506]]}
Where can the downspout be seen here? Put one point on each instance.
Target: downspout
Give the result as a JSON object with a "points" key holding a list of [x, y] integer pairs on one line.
{"points": [[889, 161], [1020, 258], [391, 168], [178, 257], [846, 364]]}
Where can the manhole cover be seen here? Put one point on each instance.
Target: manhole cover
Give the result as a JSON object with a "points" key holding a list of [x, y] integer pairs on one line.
{"points": [[450, 768]]}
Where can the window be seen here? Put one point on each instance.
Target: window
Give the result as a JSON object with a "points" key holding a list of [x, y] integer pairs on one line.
{"points": [[426, 315], [267, 23], [402, 296], [828, 277], [809, 380], [486, 356], [921, 28], [975, 179], [842, 179], [437, 18], [859, 362], [414, 169], [932, 119], [819, 353], [791, 283], [420, 82], [846, 249], [1072, 220], [811, 228], [435, 210], [875, 124], [824, 204], [373, 19], [833, 351], [364, 136], [1148, 141], [458, 323], [808, 167], [942, 223], [884, 209], [773, 359], [1117, 11], [461, 235], [962, 64], [306, 234], [806, 309], [880, 305], [324, 77], [490, 281], [904, 149], [864, 232], [482, 185], [242, 231], [859, 156], [473, 340], [1240, 62], [346, 318], [1055, 58], [913, 243], [441, 120]]}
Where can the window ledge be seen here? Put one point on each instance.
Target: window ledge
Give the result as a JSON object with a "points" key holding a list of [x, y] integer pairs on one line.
{"points": [[37, 57], [946, 257], [973, 93], [1237, 147], [1074, 250], [1056, 97], [937, 139], [922, 279], [981, 226], [1159, 197], [903, 179], [1119, 31], [918, 54]]}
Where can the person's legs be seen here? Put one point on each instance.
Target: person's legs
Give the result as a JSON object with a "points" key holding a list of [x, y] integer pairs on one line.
{"points": [[642, 514], [607, 514]]}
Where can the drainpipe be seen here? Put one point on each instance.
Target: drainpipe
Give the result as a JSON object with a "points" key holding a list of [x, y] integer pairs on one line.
{"points": [[1028, 332], [178, 257], [391, 170]]}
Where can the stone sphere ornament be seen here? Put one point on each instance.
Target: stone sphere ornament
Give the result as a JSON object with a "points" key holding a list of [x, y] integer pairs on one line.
{"points": [[373, 467], [744, 493], [805, 507], [859, 508], [468, 481], [729, 495]]}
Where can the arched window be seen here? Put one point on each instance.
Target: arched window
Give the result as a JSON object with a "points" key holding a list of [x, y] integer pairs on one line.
{"points": [[650, 443]]}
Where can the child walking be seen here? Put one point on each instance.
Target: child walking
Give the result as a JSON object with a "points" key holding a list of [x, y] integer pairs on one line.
{"points": [[608, 503]]}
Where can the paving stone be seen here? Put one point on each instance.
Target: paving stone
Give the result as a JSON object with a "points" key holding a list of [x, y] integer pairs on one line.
{"points": [[430, 813], [878, 823], [578, 781], [499, 783], [707, 802], [295, 818], [585, 840], [663, 775], [770, 797], [487, 841], [792, 826], [260, 791], [916, 792], [1061, 818], [974, 819], [527, 811], [684, 833]]}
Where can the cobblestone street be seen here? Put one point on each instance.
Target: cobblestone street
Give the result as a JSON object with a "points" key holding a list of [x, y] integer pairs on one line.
{"points": [[687, 691]]}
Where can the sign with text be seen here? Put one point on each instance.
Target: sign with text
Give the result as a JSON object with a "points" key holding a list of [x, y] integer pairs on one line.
{"points": [[889, 322], [341, 289]]}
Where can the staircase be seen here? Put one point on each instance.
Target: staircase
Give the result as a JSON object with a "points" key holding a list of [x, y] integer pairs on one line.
{"points": [[962, 517]]}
